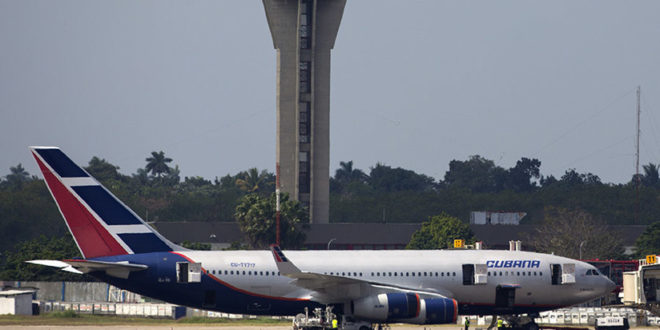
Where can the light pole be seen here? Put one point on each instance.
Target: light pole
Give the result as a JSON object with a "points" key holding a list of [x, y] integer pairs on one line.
{"points": [[330, 242], [581, 243]]}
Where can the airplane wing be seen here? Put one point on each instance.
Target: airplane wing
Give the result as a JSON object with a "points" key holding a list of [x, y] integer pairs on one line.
{"points": [[334, 288], [82, 266]]}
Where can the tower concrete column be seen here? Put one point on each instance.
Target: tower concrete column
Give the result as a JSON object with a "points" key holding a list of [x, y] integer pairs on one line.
{"points": [[304, 32]]}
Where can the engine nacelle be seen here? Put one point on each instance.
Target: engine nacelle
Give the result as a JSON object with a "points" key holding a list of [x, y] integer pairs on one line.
{"points": [[387, 307], [405, 307], [436, 311]]}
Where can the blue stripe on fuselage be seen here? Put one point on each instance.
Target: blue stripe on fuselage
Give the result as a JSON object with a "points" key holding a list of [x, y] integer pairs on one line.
{"points": [[61, 163], [106, 206], [159, 282]]}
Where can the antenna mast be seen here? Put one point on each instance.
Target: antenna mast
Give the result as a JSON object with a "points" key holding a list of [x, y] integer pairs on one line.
{"points": [[638, 179], [639, 110], [277, 204]]}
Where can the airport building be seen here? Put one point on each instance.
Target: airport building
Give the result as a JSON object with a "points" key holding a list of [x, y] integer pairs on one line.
{"points": [[304, 33]]}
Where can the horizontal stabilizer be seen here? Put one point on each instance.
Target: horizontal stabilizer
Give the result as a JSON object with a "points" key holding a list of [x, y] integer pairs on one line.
{"points": [[81, 266]]}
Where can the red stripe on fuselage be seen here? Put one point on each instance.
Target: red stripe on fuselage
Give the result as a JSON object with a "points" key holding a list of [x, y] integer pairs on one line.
{"points": [[235, 288], [93, 240]]}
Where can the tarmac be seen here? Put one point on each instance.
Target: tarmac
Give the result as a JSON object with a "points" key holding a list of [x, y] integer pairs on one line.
{"points": [[187, 327]]}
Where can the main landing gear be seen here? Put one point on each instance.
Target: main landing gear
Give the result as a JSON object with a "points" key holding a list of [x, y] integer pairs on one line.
{"points": [[520, 322]]}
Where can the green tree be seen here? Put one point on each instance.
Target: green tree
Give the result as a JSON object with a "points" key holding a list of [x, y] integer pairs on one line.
{"points": [[572, 178], [477, 174], [17, 177], [519, 177], [196, 245], [563, 231], [102, 170], [384, 178], [42, 247], [649, 241], [157, 164], [346, 173], [256, 218], [252, 181], [651, 177], [440, 232]]}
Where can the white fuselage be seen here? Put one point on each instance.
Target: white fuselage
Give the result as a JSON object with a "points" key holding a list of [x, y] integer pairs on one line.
{"points": [[430, 270]]}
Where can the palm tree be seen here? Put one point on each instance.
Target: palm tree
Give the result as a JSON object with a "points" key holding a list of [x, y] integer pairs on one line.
{"points": [[346, 173], [253, 180], [651, 177], [17, 176], [157, 164]]}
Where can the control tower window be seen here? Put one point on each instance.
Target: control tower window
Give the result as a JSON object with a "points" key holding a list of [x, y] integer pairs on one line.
{"points": [[304, 87]]}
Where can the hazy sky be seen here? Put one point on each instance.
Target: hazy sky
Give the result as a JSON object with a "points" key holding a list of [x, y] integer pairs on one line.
{"points": [[414, 83]]}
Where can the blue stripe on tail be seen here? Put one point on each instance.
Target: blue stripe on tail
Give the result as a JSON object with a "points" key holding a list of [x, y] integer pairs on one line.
{"points": [[106, 206], [61, 164]]}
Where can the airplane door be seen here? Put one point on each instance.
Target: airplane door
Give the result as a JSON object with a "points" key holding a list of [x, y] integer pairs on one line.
{"points": [[475, 274], [188, 272], [505, 297], [182, 272], [556, 274], [563, 274], [468, 274]]}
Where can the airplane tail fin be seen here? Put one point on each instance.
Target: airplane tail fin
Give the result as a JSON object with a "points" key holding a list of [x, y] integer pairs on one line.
{"points": [[100, 223]]}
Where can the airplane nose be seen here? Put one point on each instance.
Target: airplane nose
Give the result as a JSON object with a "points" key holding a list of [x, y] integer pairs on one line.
{"points": [[610, 285]]}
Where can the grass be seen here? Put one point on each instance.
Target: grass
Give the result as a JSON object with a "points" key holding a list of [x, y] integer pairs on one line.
{"points": [[71, 318]]}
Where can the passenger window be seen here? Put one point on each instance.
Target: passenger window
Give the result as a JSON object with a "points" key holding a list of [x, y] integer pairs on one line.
{"points": [[454, 274], [243, 272], [232, 272]]}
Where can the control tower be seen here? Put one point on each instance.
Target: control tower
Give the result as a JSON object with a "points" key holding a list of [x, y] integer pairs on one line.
{"points": [[304, 32]]}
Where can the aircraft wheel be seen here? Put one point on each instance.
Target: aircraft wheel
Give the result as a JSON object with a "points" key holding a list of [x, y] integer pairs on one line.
{"points": [[531, 326]]}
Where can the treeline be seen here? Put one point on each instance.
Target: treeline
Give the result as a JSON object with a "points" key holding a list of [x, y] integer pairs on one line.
{"points": [[388, 194], [384, 194]]}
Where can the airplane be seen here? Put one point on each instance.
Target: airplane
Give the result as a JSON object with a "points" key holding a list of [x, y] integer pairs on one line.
{"points": [[376, 287]]}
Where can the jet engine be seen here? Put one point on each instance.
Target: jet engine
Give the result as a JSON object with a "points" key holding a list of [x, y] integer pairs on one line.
{"points": [[405, 307]]}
